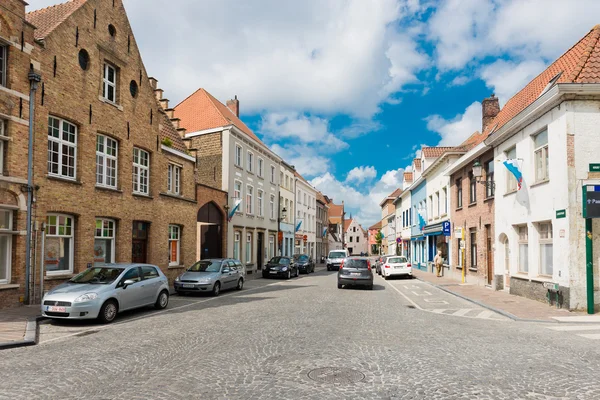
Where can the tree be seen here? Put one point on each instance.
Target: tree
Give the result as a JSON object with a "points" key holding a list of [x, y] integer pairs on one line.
{"points": [[379, 238]]}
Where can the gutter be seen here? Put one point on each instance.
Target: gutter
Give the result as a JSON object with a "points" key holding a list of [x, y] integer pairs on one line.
{"points": [[476, 151]]}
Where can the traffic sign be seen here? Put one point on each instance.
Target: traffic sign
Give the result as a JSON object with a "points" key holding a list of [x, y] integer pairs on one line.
{"points": [[458, 232], [591, 201], [305, 238], [446, 228], [398, 240]]}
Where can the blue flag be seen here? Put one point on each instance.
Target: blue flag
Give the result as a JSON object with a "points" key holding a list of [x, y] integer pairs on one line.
{"points": [[513, 167], [236, 205], [298, 226]]}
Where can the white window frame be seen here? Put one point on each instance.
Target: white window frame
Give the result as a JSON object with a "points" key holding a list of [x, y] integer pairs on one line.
{"points": [[57, 235], [272, 174], [237, 194], [6, 231], [261, 167], [250, 162], [238, 155], [271, 246], [540, 154], [174, 179], [175, 237], [545, 241], [260, 197], [249, 199], [237, 237], [107, 83], [62, 146], [272, 206], [511, 181], [473, 246], [104, 160], [459, 193], [3, 63], [248, 247], [141, 171], [103, 236], [523, 240]]}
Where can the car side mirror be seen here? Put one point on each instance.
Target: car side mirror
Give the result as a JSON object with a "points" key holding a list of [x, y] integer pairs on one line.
{"points": [[127, 283]]}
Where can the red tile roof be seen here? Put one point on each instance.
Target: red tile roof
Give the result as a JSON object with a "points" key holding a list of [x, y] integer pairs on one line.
{"points": [[579, 64], [47, 19], [201, 110], [396, 193], [347, 223], [408, 176], [377, 226], [472, 141], [417, 163], [167, 130], [434, 152], [335, 210], [321, 198]]}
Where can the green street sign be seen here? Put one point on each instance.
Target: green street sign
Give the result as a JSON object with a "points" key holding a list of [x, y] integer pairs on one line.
{"points": [[561, 214], [594, 167]]}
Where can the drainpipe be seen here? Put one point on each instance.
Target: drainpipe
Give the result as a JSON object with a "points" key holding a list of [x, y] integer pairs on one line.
{"points": [[33, 82]]}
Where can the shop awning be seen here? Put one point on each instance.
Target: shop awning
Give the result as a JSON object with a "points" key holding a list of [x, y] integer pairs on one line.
{"points": [[433, 229]]}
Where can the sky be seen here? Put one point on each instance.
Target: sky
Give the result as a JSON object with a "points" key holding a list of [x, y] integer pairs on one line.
{"points": [[348, 91]]}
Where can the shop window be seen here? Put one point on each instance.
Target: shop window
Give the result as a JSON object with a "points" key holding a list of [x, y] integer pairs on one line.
{"points": [[6, 227], [58, 252], [104, 241]]}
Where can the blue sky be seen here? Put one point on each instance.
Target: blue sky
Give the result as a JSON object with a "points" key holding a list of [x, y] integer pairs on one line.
{"points": [[349, 90]]}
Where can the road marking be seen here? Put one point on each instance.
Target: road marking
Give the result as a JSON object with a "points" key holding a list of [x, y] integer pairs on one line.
{"points": [[462, 311], [485, 314], [99, 328], [435, 301], [593, 336], [569, 328], [405, 296]]}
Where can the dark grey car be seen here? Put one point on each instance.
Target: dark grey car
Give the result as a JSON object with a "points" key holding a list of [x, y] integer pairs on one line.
{"points": [[304, 263], [211, 275], [355, 271]]}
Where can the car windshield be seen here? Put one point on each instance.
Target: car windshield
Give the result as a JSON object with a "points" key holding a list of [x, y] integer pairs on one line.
{"points": [[279, 260], [356, 263], [206, 266], [397, 260], [337, 254], [300, 257], [97, 275]]}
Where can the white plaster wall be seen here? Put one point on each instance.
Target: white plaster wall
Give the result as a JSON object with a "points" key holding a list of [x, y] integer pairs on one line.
{"points": [[308, 227], [362, 245]]}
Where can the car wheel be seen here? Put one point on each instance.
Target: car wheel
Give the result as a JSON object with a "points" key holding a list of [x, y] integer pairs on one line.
{"points": [[339, 285], [162, 301], [289, 274], [108, 311], [371, 287], [386, 277], [240, 284], [216, 289]]}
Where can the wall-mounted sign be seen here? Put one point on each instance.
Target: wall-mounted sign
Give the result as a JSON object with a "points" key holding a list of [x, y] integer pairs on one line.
{"points": [[561, 214], [446, 228], [591, 201], [594, 167]]}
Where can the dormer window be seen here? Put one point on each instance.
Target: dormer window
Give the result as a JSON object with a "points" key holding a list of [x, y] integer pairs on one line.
{"points": [[551, 83]]}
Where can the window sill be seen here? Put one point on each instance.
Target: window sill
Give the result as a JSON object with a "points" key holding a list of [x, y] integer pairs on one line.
{"points": [[473, 204], [58, 277], [538, 183], [143, 196], [473, 269], [521, 275], [108, 189], [444, 215], [458, 209], [487, 199], [511, 192], [176, 266], [238, 167], [8, 286], [62, 179], [178, 197], [542, 278], [106, 101]]}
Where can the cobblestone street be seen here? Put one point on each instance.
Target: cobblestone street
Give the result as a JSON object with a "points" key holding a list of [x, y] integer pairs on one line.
{"points": [[294, 339]]}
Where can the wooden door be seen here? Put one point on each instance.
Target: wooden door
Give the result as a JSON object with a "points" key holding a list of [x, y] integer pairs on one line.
{"points": [[490, 256], [138, 251]]}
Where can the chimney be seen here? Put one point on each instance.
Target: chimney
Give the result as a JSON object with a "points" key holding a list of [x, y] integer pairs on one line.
{"points": [[234, 106], [489, 109]]}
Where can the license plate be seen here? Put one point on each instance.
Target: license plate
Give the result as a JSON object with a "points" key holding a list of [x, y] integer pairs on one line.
{"points": [[272, 272], [56, 309], [188, 285], [398, 267], [355, 274]]}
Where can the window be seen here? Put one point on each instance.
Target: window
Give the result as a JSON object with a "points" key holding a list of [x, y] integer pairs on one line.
{"points": [[58, 256], [6, 218], [473, 238], [299, 197], [62, 148], [523, 249], [260, 196], [133, 89], [261, 166], [280, 177], [472, 189], [437, 205], [445, 200], [430, 207], [511, 181], [350, 237], [149, 272], [489, 179], [357, 239], [236, 245], [272, 207], [305, 199], [238, 155], [272, 174], [106, 161], [271, 246], [3, 54], [104, 242], [250, 160], [237, 190], [141, 166], [84, 59], [461, 253], [540, 144], [174, 179], [174, 245], [3, 138], [287, 181], [546, 260], [459, 193], [109, 80], [249, 199], [248, 248]]}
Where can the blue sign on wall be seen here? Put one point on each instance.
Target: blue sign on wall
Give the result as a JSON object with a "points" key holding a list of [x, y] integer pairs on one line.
{"points": [[446, 228]]}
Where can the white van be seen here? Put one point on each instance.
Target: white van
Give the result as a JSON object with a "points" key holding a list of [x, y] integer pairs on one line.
{"points": [[335, 258]]}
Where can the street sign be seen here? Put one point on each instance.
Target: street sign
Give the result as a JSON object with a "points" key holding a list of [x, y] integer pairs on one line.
{"points": [[458, 232], [398, 240], [591, 201], [594, 167], [446, 228], [462, 244], [561, 214], [551, 285], [305, 238]]}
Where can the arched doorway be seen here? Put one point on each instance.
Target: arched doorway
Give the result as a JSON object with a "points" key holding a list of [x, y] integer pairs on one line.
{"points": [[210, 221], [506, 255]]}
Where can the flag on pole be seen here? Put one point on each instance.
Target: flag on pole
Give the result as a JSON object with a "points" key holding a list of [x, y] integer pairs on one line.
{"points": [[324, 232], [298, 226], [515, 169], [236, 205], [421, 220]]}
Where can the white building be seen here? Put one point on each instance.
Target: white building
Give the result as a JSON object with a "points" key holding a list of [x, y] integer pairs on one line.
{"points": [[306, 215], [287, 199], [404, 216], [551, 129], [356, 238]]}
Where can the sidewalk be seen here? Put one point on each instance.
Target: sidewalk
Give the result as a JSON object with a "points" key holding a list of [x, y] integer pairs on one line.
{"points": [[515, 307], [18, 326]]}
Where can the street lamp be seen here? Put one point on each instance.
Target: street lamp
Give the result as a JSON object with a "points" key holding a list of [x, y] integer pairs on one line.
{"points": [[478, 173], [284, 213]]}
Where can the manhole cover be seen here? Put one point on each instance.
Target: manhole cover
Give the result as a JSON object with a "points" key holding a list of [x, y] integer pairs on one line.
{"points": [[336, 375]]}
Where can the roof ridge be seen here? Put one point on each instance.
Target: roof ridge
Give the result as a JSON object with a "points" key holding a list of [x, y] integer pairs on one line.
{"points": [[212, 100], [44, 31], [586, 53], [192, 94]]}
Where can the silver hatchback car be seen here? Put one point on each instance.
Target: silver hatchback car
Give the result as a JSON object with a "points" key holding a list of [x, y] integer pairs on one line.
{"points": [[211, 275], [102, 292]]}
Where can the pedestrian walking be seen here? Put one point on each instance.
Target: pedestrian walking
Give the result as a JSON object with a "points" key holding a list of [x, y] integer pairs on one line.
{"points": [[439, 263]]}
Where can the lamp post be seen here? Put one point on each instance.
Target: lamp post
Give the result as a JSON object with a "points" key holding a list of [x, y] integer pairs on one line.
{"points": [[478, 174], [281, 215]]}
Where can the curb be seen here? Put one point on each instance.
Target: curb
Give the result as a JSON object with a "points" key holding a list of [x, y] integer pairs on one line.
{"points": [[494, 309], [31, 335]]}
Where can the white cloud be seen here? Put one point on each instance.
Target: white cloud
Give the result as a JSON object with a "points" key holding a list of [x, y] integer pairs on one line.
{"points": [[455, 131], [307, 161], [460, 80], [507, 78], [361, 174]]}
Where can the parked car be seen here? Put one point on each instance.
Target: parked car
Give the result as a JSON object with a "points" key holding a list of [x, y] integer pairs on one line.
{"points": [[380, 261], [280, 267], [355, 271], [211, 275], [104, 291], [396, 266], [304, 263], [335, 258]]}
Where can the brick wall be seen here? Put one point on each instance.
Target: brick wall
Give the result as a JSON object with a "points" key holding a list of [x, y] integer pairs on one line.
{"points": [[209, 150]]}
